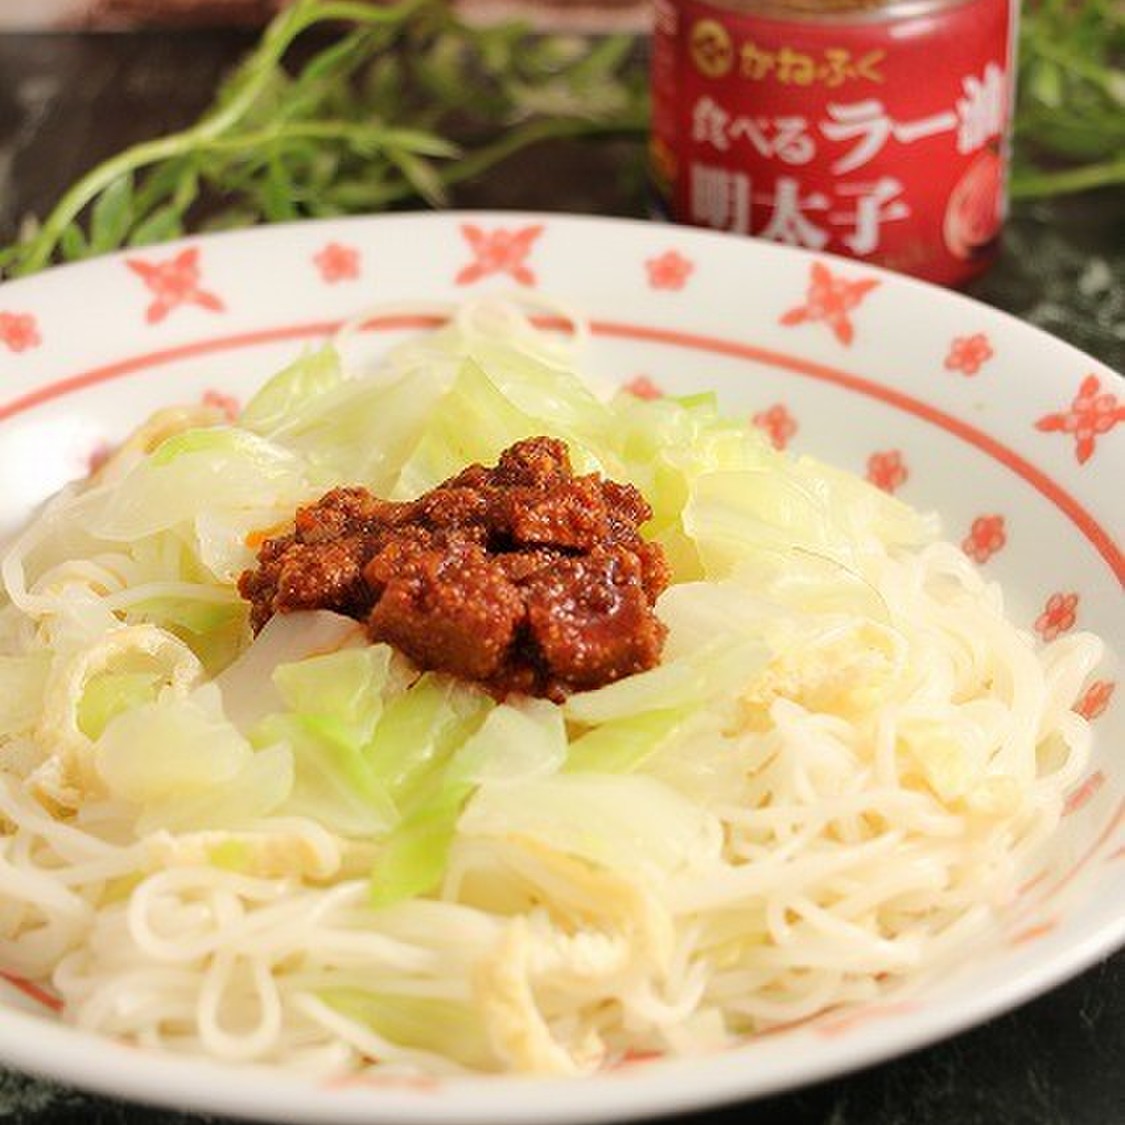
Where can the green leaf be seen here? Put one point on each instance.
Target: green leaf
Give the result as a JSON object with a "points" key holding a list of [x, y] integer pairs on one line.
{"points": [[277, 192], [420, 174], [420, 142], [233, 218], [553, 53], [163, 224], [1068, 125], [112, 216], [73, 243], [159, 184], [383, 82]]}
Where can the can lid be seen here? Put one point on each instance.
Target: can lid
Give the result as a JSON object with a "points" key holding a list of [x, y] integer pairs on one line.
{"points": [[836, 11]]}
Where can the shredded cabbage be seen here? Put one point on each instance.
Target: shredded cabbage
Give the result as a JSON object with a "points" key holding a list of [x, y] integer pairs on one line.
{"points": [[298, 849]]}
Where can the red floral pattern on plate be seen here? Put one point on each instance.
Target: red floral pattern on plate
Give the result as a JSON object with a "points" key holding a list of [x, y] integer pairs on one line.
{"points": [[337, 262], [829, 299], [635, 1058], [419, 1083], [968, 354], [1095, 850], [501, 251], [669, 270], [887, 470], [174, 282], [1092, 413], [1095, 700], [986, 536], [19, 331], [832, 1025], [777, 424], [1083, 793], [1033, 933], [1059, 615], [642, 386]]}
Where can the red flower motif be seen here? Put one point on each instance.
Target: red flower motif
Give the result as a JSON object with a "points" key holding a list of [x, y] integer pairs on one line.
{"points": [[1095, 700], [19, 331], [1033, 933], [669, 271], [1091, 413], [227, 404], [643, 387], [830, 299], [985, 538], [499, 251], [968, 354], [1059, 614], [887, 470], [777, 423], [337, 262], [174, 282], [1082, 796]]}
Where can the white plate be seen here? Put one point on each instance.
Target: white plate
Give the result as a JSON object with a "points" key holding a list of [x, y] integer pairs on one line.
{"points": [[1014, 437]]}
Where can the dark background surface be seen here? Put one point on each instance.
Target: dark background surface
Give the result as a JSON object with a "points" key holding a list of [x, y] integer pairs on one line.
{"points": [[68, 100]]}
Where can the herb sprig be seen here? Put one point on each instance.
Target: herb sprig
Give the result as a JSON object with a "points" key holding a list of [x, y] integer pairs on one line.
{"points": [[363, 123], [1070, 114], [366, 121]]}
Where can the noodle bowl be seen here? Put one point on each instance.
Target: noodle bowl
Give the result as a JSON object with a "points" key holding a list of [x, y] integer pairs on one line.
{"points": [[299, 850]]}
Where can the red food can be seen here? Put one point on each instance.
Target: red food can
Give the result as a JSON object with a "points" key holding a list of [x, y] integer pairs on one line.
{"points": [[873, 129]]}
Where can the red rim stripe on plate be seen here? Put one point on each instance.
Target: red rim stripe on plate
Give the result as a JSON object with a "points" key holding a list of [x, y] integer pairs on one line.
{"points": [[1051, 490], [1116, 821], [33, 991]]}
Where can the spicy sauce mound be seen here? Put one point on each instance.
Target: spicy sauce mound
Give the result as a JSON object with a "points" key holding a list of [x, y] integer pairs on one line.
{"points": [[522, 577]]}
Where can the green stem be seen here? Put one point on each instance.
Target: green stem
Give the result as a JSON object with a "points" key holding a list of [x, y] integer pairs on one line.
{"points": [[251, 81], [371, 195], [351, 132], [81, 194], [1100, 76], [476, 162], [1039, 185]]}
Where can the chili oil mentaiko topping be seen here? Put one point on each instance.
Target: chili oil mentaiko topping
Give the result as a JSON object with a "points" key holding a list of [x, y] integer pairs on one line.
{"points": [[521, 577]]}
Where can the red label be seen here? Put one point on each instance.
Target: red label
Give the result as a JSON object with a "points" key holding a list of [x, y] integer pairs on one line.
{"points": [[882, 139]]}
